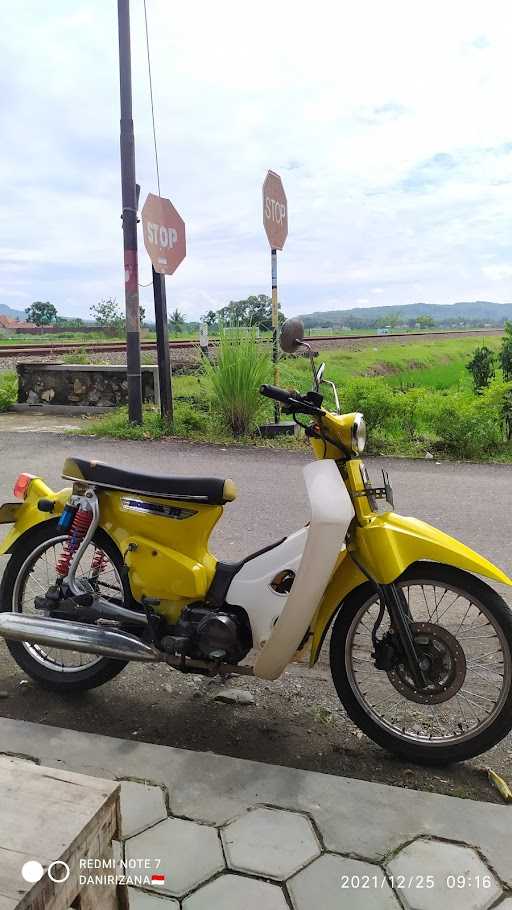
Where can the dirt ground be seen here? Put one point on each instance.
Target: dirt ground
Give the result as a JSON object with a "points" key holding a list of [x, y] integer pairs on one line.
{"points": [[297, 721]]}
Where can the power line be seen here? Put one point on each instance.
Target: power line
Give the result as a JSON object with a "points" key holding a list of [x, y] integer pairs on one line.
{"points": [[151, 96]]}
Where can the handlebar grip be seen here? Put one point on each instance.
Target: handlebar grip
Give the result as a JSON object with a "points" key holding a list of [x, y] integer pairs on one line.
{"points": [[273, 391]]}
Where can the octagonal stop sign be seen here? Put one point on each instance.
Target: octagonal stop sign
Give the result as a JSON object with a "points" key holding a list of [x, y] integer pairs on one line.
{"points": [[164, 234], [275, 211]]}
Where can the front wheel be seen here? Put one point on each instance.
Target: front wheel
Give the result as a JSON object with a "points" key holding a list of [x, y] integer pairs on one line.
{"points": [[463, 630]]}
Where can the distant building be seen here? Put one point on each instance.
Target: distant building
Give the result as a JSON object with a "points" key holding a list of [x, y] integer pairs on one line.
{"points": [[6, 322], [385, 330]]}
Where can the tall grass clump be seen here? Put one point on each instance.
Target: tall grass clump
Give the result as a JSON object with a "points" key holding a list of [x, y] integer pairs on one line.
{"points": [[8, 389], [234, 378]]}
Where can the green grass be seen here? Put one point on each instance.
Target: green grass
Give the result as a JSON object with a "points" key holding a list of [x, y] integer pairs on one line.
{"points": [[8, 389]]}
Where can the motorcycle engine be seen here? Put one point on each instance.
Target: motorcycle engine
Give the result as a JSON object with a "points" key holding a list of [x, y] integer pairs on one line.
{"points": [[207, 634]]}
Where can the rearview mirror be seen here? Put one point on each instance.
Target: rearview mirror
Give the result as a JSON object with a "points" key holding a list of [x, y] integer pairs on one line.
{"points": [[292, 335]]}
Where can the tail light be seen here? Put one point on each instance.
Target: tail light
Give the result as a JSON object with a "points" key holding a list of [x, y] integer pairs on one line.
{"points": [[22, 484]]}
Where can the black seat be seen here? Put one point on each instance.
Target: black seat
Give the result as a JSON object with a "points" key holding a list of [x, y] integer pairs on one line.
{"points": [[212, 490]]}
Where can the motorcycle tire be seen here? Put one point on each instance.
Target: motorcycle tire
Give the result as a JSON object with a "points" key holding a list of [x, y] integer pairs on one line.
{"points": [[78, 680], [420, 749]]}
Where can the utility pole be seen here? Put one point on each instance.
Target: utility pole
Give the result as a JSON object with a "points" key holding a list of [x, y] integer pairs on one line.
{"points": [[129, 198]]}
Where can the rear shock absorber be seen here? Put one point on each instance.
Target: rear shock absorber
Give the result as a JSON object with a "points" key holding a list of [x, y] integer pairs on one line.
{"points": [[79, 527]]}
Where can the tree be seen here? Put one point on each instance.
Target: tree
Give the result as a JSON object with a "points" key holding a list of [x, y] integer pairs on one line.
{"points": [[41, 313], [108, 315], [481, 366], [142, 316], [255, 310], [505, 354], [425, 322], [176, 320], [210, 318]]}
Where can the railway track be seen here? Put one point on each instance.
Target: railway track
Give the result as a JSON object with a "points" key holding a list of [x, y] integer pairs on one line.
{"points": [[63, 347]]}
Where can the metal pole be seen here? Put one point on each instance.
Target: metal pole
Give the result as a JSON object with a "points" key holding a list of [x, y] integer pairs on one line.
{"points": [[129, 197], [162, 347], [275, 332]]}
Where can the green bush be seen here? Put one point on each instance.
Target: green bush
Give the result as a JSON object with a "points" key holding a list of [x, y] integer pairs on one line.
{"points": [[234, 379], [8, 390], [374, 398]]}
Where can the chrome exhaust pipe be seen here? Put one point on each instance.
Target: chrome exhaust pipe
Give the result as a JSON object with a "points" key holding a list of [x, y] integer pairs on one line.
{"points": [[76, 636]]}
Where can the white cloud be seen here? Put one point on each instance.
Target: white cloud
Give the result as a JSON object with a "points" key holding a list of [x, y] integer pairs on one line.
{"points": [[387, 127]]}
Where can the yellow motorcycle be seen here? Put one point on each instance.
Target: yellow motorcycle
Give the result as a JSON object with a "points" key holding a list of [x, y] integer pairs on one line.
{"points": [[116, 567]]}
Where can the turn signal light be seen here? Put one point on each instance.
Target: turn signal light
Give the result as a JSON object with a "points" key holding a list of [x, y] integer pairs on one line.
{"points": [[22, 484]]}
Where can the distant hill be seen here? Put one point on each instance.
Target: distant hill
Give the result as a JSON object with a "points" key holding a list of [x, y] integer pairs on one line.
{"points": [[480, 311], [13, 314]]}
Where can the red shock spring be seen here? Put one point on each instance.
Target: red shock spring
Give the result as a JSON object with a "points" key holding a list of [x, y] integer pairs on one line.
{"points": [[77, 532]]}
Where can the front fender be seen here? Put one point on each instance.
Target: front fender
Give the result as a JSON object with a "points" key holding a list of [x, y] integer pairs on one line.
{"points": [[386, 546], [28, 515]]}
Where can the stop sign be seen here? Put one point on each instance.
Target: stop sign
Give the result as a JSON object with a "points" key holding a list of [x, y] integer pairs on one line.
{"points": [[275, 211], [164, 234]]}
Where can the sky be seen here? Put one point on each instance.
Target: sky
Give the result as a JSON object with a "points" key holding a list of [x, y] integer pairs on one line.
{"points": [[388, 124]]}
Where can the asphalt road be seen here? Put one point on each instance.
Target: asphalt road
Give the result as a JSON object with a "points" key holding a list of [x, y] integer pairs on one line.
{"points": [[297, 721], [470, 501]]}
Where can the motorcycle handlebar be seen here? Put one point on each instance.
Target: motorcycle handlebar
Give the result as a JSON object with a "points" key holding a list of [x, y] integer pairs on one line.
{"points": [[293, 401], [273, 391]]}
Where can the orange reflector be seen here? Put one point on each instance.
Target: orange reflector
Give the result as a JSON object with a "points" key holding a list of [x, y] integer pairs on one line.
{"points": [[22, 484]]}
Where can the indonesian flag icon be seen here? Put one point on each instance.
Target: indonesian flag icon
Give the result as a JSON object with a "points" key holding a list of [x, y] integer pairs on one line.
{"points": [[157, 879]]}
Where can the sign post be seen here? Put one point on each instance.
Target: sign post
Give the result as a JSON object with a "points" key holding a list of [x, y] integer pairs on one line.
{"points": [[165, 241], [275, 222]]}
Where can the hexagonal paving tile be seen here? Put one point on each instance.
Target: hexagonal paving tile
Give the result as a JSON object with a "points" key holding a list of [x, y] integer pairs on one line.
{"points": [[336, 883], [232, 892], [448, 864], [140, 900], [142, 805], [271, 842], [189, 853]]}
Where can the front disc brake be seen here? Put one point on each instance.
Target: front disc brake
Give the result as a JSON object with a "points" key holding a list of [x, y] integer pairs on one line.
{"points": [[443, 663]]}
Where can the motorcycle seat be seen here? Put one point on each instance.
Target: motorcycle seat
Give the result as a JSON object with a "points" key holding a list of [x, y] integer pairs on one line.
{"points": [[211, 490]]}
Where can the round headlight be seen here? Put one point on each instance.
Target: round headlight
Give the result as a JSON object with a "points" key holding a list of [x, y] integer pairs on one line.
{"points": [[358, 434]]}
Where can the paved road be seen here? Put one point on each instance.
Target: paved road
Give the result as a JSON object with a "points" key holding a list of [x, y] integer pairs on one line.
{"points": [[298, 720], [470, 501]]}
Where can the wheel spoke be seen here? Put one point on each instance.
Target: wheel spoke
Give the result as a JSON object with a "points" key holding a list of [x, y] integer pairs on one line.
{"points": [[459, 651], [37, 575]]}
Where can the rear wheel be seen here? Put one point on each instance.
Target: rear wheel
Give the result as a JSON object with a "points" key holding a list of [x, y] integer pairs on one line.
{"points": [[30, 572], [463, 633]]}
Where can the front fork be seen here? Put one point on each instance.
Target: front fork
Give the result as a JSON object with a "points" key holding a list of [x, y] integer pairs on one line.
{"points": [[393, 598]]}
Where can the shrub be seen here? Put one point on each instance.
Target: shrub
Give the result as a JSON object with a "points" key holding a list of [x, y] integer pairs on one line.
{"points": [[373, 397], [234, 380], [481, 367], [8, 390], [505, 354], [466, 426]]}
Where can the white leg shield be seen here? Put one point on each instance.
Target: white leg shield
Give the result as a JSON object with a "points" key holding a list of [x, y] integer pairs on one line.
{"points": [[331, 514]]}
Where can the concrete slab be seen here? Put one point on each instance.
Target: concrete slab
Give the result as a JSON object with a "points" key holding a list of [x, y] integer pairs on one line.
{"points": [[142, 805], [337, 883], [141, 900], [368, 823], [185, 852], [432, 874], [270, 842], [233, 892]]}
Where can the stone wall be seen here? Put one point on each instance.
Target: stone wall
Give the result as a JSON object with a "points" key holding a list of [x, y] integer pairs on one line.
{"points": [[84, 386]]}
